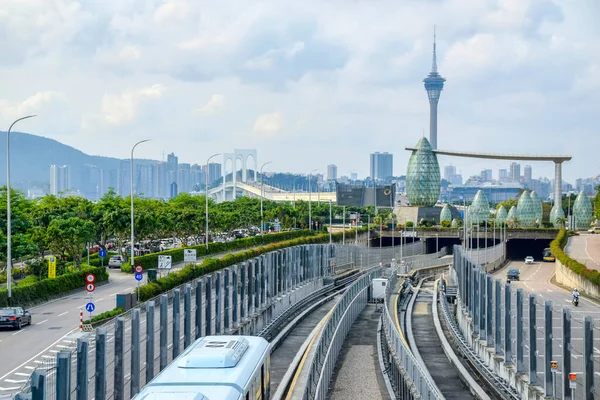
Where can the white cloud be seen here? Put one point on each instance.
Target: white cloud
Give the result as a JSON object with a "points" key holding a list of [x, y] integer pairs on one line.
{"points": [[32, 104], [268, 124], [214, 105], [130, 53], [122, 108]]}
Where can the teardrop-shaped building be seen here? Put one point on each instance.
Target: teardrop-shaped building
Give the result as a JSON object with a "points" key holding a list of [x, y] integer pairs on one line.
{"points": [[511, 218], [557, 216], [582, 211], [454, 223], [479, 210], [423, 176], [526, 211], [446, 214], [501, 215], [539, 209]]}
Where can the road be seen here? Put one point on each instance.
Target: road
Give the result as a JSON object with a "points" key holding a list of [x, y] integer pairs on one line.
{"points": [[536, 279], [585, 248]]}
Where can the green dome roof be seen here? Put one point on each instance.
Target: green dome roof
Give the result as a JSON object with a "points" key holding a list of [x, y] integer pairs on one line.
{"points": [[582, 211], [539, 209], [526, 211], [454, 223], [479, 210], [555, 214], [423, 176], [501, 215], [446, 214]]}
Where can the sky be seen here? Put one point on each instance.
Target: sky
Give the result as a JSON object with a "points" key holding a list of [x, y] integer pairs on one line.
{"points": [[306, 83]]}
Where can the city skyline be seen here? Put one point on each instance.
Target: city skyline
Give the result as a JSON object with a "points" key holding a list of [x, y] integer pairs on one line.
{"points": [[104, 80]]}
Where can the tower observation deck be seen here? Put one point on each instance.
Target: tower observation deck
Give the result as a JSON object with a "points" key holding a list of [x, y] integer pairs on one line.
{"points": [[434, 84]]}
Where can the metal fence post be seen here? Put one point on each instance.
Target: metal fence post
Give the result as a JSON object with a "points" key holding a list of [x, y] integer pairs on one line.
{"points": [[119, 383], [548, 389], [475, 275], [482, 305], [520, 339], [187, 316], [489, 317], [135, 352], [532, 340], [100, 381], [566, 351], [149, 341], [38, 385], [218, 301], [226, 288], [234, 297], [263, 281], [63, 375], [243, 277], [208, 304], [199, 308], [164, 331], [588, 360], [82, 369], [176, 322], [498, 318], [257, 279], [507, 324]]}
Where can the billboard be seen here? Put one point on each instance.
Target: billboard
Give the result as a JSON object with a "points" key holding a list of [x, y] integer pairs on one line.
{"points": [[361, 196]]}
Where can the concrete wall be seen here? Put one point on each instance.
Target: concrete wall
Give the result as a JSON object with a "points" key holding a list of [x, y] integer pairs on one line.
{"points": [[568, 278]]}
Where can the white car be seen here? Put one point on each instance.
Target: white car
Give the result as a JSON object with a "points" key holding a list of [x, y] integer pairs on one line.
{"points": [[529, 260]]}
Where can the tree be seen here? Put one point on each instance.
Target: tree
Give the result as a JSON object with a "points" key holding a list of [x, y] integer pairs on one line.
{"points": [[507, 204], [69, 236], [596, 202]]}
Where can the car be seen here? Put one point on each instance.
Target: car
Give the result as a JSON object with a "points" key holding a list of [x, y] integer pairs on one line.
{"points": [[528, 260], [595, 229], [14, 317], [512, 275], [116, 261]]}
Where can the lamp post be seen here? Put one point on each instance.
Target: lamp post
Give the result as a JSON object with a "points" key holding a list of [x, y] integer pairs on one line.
{"points": [[309, 201], [206, 198], [262, 188], [8, 221], [131, 183]]}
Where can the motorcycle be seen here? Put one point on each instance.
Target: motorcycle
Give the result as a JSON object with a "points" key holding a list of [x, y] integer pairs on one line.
{"points": [[575, 301]]}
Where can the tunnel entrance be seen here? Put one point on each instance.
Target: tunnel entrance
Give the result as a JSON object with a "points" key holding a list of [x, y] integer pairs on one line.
{"points": [[430, 244], [518, 249]]}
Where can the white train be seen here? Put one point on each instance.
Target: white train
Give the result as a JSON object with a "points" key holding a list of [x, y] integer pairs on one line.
{"points": [[215, 368]]}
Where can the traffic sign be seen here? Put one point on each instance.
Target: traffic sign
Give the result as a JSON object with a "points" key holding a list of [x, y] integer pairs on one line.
{"points": [[90, 287], [139, 269], [189, 255], [102, 253], [164, 262], [91, 278], [90, 307], [139, 276]]}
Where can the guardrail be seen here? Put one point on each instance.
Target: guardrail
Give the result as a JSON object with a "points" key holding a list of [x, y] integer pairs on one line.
{"points": [[406, 375], [333, 334]]}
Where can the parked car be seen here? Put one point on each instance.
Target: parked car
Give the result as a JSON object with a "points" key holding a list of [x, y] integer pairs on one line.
{"points": [[528, 260], [14, 317], [512, 275], [595, 229], [116, 261]]}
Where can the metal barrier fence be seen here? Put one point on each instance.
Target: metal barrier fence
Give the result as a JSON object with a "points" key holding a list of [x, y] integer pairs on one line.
{"points": [[375, 255], [486, 255], [240, 299], [333, 334], [528, 332], [406, 375]]}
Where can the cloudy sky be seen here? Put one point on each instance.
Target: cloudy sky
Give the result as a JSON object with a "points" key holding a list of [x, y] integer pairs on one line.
{"points": [[306, 83]]}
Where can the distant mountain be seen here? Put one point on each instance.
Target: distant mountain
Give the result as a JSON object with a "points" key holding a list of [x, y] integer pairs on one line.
{"points": [[31, 157]]}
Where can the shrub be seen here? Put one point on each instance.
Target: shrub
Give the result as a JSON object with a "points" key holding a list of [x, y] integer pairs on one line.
{"points": [[105, 315], [47, 288], [557, 249], [30, 280]]}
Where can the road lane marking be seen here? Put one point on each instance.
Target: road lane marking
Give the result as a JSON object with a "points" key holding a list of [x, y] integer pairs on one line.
{"points": [[41, 322], [22, 374], [29, 367], [100, 299], [16, 333], [60, 315], [128, 289], [13, 381]]}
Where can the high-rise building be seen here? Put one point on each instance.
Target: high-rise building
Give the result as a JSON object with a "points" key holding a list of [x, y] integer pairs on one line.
{"points": [[124, 187], [449, 172], [515, 172], [382, 166], [214, 172], [172, 169], [161, 187], [93, 185], [486, 175], [184, 178], [527, 175], [60, 179], [502, 175], [113, 180], [331, 172], [196, 176], [354, 176], [143, 181], [434, 84]]}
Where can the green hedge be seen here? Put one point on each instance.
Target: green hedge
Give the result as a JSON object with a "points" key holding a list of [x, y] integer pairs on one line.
{"points": [[556, 248], [192, 271], [47, 288], [105, 315], [150, 261]]}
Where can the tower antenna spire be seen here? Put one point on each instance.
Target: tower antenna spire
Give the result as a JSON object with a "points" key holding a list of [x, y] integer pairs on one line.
{"points": [[434, 63]]}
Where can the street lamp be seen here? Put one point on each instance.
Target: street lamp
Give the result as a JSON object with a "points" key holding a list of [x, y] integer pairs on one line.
{"points": [[309, 201], [8, 222], [131, 183], [206, 198], [262, 194]]}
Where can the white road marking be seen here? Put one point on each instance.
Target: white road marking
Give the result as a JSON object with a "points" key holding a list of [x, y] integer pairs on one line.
{"points": [[62, 346], [22, 373], [9, 388], [28, 367], [60, 315], [41, 322], [16, 333], [13, 381], [128, 289]]}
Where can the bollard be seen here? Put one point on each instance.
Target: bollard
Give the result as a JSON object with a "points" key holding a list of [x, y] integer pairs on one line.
{"points": [[520, 340], [187, 316], [532, 340], [226, 288], [588, 358], [548, 389], [208, 304], [218, 301], [149, 341], [164, 304], [199, 308], [176, 322], [135, 352], [498, 318], [82, 369], [38, 385], [119, 375], [566, 351], [100, 381]]}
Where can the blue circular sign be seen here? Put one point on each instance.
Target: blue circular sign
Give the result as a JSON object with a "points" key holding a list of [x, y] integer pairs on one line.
{"points": [[90, 307], [139, 276]]}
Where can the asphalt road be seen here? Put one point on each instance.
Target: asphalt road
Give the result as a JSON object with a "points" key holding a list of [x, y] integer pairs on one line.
{"points": [[585, 248], [535, 279]]}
